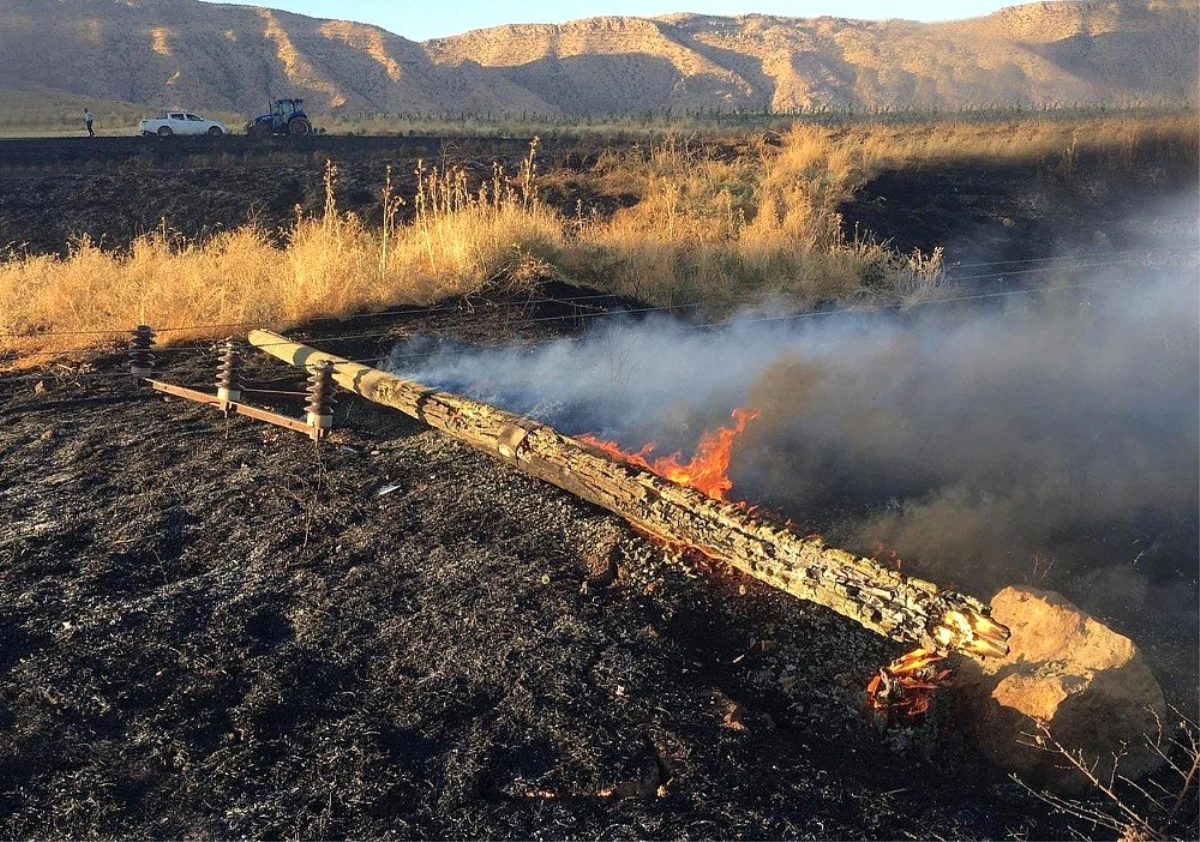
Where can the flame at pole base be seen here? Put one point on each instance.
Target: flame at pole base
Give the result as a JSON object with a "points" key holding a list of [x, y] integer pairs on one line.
{"points": [[903, 690], [708, 469]]}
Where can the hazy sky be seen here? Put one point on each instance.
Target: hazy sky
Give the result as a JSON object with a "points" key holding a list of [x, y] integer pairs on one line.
{"points": [[436, 18]]}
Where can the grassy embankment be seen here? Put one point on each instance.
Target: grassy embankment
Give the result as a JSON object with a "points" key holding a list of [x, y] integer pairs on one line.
{"points": [[706, 230]]}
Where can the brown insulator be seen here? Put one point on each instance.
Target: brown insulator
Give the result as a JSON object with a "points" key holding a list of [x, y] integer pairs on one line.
{"points": [[141, 357], [229, 371], [319, 409]]}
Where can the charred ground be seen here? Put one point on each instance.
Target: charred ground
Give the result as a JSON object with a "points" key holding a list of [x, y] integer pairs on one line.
{"points": [[217, 629], [214, 628]]}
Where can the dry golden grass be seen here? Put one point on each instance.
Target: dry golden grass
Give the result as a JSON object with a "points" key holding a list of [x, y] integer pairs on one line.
{"points": [[331, 266], [723, 233], [715, 232]]}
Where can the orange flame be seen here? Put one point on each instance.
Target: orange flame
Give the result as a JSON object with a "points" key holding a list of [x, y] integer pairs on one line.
{"points": [[903, 690], [708, 470]]}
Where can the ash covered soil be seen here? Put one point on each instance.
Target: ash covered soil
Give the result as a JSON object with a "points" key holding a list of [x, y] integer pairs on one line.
{"points": [[214, 628]]}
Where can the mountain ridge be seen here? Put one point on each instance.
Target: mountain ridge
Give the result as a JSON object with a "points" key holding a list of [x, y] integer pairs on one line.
{"points": [[220, 56]]}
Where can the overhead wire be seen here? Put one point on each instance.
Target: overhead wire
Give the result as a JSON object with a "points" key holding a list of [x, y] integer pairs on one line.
{"points": [[407, 311], [1087, 260], [159, 350], [1074, 257]]}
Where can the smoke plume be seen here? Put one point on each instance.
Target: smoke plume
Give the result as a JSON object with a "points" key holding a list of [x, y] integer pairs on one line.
{"points": [[1050, 439]]}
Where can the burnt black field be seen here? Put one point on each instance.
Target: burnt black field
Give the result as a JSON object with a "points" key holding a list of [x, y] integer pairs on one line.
{"points": [[212, 628]]}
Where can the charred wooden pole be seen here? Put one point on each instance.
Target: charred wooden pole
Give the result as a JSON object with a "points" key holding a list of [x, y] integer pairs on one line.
{"points": [[900, 607]]}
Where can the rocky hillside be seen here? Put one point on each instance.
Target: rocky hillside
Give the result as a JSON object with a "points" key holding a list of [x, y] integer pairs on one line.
{"points": [[183, 52]]}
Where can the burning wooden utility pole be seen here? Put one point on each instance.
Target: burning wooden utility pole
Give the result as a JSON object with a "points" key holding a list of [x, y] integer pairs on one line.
{"points": [[903, 608]]}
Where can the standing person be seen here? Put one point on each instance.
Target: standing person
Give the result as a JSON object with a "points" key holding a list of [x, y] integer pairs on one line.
{"points": [[87, 121]]}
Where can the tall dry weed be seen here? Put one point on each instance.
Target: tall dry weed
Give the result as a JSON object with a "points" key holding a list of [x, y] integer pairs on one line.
{"points": [[332, 265], [721, 232]]}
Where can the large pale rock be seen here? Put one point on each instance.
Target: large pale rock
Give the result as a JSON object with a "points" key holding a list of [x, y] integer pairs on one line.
{"points": [[1087, 683]]}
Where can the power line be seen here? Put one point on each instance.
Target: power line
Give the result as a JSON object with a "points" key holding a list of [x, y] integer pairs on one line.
{"points": [[408, 311], [858, 309], [160, 350], [1076, 257], [1064, 263], [1055, 268]]}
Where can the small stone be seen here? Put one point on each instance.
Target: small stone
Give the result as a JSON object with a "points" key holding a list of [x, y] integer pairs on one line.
{"points": [[39, 388]]}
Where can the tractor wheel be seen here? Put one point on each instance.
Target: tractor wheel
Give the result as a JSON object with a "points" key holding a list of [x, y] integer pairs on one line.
{"points": [[215, 131], [300, 127], [262, 130], [165, 131]]}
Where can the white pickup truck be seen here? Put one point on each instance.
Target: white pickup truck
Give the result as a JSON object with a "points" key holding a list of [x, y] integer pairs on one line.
{"points": [[181, 123]]}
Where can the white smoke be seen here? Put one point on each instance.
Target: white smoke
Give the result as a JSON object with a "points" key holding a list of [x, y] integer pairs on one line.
{"points": [[1051, 438]]}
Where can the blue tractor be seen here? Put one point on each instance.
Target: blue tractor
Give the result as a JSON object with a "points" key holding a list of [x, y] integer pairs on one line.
{"points": [[287, 116]]}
